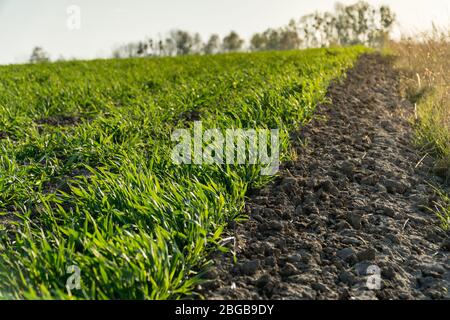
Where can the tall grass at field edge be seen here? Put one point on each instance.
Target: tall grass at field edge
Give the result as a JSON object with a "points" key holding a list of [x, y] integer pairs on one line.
{"points": [[425, 64]]}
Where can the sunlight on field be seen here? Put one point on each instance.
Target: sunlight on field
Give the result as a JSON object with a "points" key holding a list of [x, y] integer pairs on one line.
{"points": [[86, 180]]}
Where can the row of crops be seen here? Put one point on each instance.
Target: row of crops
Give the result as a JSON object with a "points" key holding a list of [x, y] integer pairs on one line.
{"points": [[88, 189]]}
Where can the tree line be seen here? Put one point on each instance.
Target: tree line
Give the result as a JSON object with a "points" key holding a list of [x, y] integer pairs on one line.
{"points": [[359, 23], [180, 42]]}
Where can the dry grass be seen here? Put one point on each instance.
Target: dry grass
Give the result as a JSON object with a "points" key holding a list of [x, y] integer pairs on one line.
{"points": [[425, 64], [425, 61]]}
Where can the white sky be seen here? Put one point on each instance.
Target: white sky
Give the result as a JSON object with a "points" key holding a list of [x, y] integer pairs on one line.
{"points": [[105, 23]]}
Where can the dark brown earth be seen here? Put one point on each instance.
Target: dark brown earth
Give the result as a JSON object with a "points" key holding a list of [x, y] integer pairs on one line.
{"points": [[60, 120], [353, 201]]}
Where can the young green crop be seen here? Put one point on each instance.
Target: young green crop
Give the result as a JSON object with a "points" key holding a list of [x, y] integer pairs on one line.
{"points": [[86, 177]]}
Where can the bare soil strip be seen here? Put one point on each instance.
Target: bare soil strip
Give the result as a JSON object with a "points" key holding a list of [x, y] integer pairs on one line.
{"points": [[353, 201]]}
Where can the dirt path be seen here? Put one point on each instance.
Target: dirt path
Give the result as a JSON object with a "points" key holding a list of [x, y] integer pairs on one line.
{"points": [[352, 202]]}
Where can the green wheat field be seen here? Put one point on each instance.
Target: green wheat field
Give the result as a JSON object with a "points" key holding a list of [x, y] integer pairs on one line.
{"points": [[86, 177]]}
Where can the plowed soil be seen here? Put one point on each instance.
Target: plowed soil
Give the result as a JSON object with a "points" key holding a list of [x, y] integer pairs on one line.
{"points": [[351, 209]]}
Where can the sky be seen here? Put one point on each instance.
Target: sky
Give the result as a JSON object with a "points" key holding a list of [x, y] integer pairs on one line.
{"points": [[104, 24]]}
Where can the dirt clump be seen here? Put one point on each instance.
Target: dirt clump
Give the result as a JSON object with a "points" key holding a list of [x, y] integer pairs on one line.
{"points": [[60, 120]]}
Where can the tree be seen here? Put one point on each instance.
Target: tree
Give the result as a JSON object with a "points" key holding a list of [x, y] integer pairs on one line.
{"points": [[276, 39], [288, 39], [39, 55], [258, 42], [387, 18], [232, 42], [272, 39], [142, 48], [168, 48], [183, 41], [213, 44], [197, 44], [308, 31]]}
